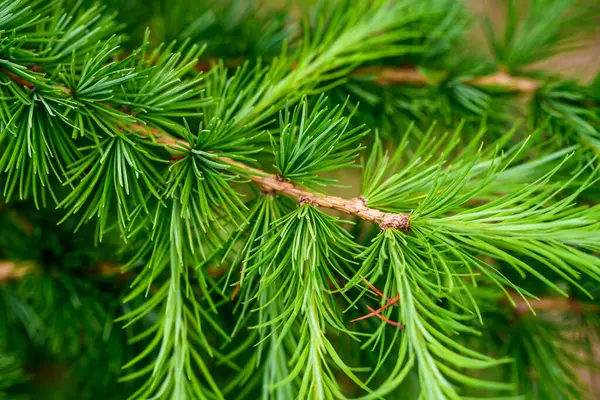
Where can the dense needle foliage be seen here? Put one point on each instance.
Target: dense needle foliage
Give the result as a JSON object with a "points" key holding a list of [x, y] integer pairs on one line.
{"points": [[164, 232]]}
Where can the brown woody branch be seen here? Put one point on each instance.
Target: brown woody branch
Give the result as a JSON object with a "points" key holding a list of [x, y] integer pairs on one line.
{"points": [[274, 184], [17, 79], [384, 76], [15, 270], [355, 206]]}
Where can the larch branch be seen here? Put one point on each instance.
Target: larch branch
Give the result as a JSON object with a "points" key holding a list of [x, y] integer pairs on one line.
{"points": [[10, 270], [269, 182]]}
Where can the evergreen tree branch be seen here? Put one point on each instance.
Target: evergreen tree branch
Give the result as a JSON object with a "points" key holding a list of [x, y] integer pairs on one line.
{"points": [[270, 183], [81, 114], [274, 184]]}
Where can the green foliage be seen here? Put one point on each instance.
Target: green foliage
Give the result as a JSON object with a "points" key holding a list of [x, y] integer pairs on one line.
{"points": [[547, 349], [423, 279], [31, 158], [549, 27], [153, 156], [129, 163], [11, 374], [313, 143], [62, 309], [306, 309], [173, 316], [569, 111], [230, 29]]}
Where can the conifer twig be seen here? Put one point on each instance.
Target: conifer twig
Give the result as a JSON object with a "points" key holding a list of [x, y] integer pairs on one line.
{"points": [[355, 206], [274, 184], [270, 183], [15, 270], [412, 76]]}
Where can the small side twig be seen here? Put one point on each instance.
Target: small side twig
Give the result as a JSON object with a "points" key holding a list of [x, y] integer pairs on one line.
{"points": [[377, 313], [385, 76]]}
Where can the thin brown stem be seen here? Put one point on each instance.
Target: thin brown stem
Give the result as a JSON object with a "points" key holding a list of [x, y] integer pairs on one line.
{"points": [[397, 76], [504, 80], [273, 184], [15, 270], [17, 79]]}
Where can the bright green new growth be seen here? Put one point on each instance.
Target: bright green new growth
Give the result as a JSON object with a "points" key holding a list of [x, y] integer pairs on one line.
{"points": [[119, 153], [313, 143]]}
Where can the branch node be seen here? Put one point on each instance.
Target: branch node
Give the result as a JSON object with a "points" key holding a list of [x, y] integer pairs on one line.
{"points": [[280, 178], [395, 221], [306, 200]]}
